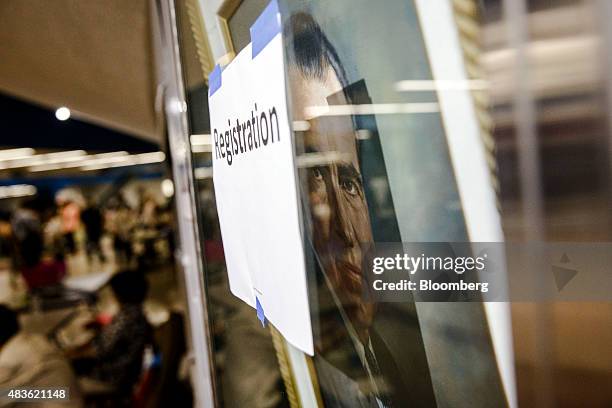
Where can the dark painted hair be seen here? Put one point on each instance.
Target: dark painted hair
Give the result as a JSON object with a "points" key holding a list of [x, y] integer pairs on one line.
{"points": [[9, 324], [310, 50]]}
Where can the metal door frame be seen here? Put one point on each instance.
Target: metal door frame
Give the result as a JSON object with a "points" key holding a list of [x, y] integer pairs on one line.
{"points": [[190, 257]]}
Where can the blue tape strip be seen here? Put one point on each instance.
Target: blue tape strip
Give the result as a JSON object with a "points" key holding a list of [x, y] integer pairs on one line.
{"points": [[260, 312], [214, 80], [265, 28]]}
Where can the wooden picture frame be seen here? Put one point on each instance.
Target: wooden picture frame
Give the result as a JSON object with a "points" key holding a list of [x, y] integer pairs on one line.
{"points": [[225, 11]]}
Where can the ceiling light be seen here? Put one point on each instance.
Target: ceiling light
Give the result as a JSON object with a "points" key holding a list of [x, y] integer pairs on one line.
{"points": [[17, 190], [441, 85], [47, 158], [371, 109], [12, 154], [143, 158], [167, 188], [203, 139], [62, 113], [101, 158], [201, 148]]}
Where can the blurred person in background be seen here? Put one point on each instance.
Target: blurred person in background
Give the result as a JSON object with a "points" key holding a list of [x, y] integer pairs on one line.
{"points": [[145, 232], [70, 203], [92, 220], [31, 361], [38, 267], [70, 215], [6, 235], [114, 358], [118, 222], [149, 211]]}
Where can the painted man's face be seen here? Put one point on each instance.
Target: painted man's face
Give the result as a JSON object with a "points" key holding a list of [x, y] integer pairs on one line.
{"points": [[340, 221]]}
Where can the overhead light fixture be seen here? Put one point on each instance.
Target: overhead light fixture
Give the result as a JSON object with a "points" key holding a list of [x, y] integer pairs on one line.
{"points": [[320, 158], [133, 160], [17, 190], [45, 167], [167, 188], [371, 109], [76, 158], [13, 154], [62, 113], [47, 158], [441, 85], [103, 158], [203, 139], [92, 159], [201, 148]]}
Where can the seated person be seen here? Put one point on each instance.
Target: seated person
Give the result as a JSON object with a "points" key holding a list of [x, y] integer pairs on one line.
{"points": [[45, 273], [31, 361], [114, 358], [39, 268]]}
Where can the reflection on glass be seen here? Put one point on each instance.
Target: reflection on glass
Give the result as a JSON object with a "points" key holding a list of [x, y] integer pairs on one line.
{"points": [[368, 354], [354, 365]]}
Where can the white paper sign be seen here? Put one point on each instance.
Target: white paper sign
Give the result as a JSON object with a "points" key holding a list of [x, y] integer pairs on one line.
{"points": [[255, 187]]}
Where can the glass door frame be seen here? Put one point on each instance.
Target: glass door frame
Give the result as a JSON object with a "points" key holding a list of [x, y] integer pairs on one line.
{"points": [[189, 256]]}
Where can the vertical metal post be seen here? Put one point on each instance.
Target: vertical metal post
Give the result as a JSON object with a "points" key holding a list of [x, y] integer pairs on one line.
{"points": [[190, 255]]}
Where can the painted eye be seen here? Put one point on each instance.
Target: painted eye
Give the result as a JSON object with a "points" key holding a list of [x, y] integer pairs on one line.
{"points": [[349, 186], [316, 174]]}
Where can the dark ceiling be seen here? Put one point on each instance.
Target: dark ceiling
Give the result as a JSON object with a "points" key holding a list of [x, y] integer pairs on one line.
{"points": [[27, 125]]}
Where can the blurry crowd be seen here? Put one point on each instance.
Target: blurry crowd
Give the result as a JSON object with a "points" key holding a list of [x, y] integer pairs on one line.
{"points": [[78, 273], [39, 238]]}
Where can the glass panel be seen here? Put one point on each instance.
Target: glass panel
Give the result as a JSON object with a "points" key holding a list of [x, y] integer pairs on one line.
{"points": [[246, 367], [564, 89], [384, 177], [403, 187]]}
